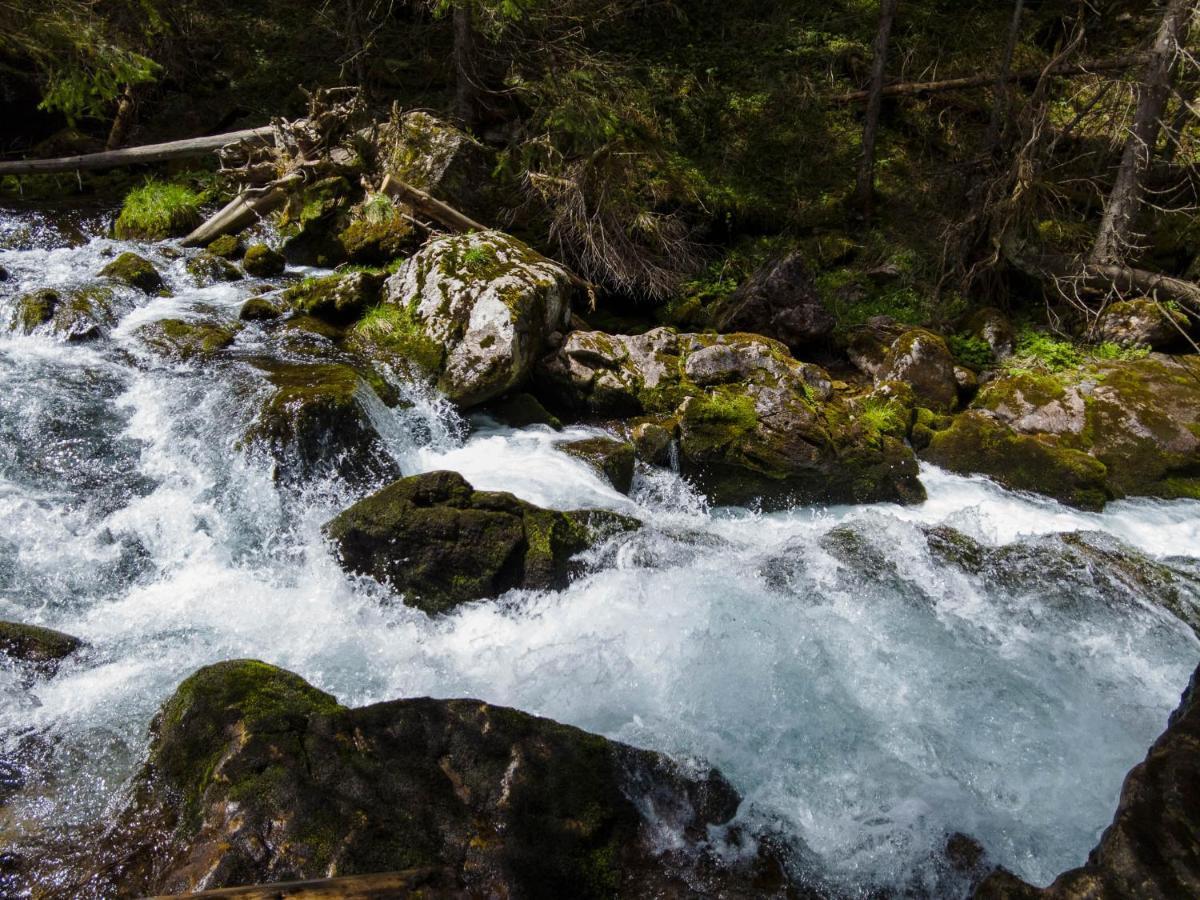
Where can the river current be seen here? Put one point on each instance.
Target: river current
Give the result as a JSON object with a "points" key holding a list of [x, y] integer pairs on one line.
{"points": [[866, 693]]}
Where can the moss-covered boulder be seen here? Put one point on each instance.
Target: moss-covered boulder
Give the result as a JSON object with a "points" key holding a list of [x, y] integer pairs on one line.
{"points": [[254, 776], [259, 309], [337, 299], [186, 340], [311, 219], [755, 425], [439, 543], [781, 301], [80, 314], [993, 327], [135, 271], [888, 351], [375, 232], [227, 246], [40, 649], [475, 311], [1085, 435], [261, 261], [208, 268], [611, 458], [158, 210], [1144, 323], [314, 422], [1152, 847], [441, 160]]}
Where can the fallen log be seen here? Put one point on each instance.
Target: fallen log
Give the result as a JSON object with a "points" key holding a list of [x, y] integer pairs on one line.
{"points": [[427, 205], [907, 88], [147, 153], [411, 883], [241, 212]]}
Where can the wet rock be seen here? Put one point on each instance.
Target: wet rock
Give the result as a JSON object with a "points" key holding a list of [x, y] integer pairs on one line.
{"points": [[1110, 430], [314, 423], [611, 458], [261, 261], [135, 271], [208, 268], [1152, 847], [255, 776], [652, 440], [1143, 323], [258, 309], [41, 649], [780, 301], [82, 314], [337, 299], [375, 233], [867, 345], [4, 276], [439, 542], [522, 410], [311, 220], [186, 340], [992, 327], [474, 311], [227, 246], [755, 426]]}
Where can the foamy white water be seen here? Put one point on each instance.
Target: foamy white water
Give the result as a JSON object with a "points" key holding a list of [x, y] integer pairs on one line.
{"points": [[867, 696]]}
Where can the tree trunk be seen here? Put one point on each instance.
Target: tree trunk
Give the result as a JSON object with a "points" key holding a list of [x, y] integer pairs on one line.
{"points": [[865, 192], [123, 120], [1116, 228], [466, 69], [1000, 105]]}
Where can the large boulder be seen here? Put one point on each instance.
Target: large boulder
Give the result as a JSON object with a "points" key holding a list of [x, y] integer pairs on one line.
{"points": [[781, 301], [314, 423], [1084, 436], [888, 351], [1143, 323], [475, 311], [81, 314], [439, 542], [755, 425], [254, 776], [1152, 848], [337, 299]]}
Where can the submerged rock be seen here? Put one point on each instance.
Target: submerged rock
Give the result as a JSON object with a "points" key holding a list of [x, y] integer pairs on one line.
{"points": [[82, 314], [522, 410], [755, 426], [135, 271], [439, 542], [611, 458], [1152, 847], [1114, 429], [41, 649], [186, 340], [254, 776], [474, 311], [209, 268], [781, 301], [315, 423]]}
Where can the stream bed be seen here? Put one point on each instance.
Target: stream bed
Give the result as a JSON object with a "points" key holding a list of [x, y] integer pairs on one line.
{"points": [[871, 679]]}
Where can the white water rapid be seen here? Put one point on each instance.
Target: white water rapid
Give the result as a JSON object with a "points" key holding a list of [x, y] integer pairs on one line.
{"points": [[865, 694]]}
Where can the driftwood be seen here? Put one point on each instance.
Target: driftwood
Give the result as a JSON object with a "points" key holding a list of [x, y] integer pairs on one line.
{"points": [[241, 212], [148, 153], [906, 88], [424, 204], [410, 883]]}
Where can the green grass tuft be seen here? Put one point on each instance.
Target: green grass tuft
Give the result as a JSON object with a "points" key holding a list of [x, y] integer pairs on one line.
{"points": [[158, 210]]}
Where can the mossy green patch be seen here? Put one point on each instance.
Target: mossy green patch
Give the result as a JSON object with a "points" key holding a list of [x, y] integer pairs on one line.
{"points": [[135, 271], [395, 330], [158, 210]]}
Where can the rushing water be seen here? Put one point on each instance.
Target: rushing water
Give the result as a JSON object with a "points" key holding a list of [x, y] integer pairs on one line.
{"points": [[865, 694]]}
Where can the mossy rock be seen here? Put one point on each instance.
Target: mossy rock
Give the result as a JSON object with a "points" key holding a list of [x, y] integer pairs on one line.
{"points": [[41, 649], [439, 543], [82, 314], [312, 218], [313, 423], [227, 246], [653, 439], [337, 299], [611, 458], [1086, 435], [1144, 323], [158, 210], [259, 309], [476, 311], [374, 242], [208, 268], [261, 261], [186, 340], [508, 803], [135, 271]]}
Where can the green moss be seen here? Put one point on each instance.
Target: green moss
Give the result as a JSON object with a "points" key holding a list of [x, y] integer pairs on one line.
{"points": [[135, 271], [261, 261], [1042, 350], [396, 330], [338, 299], [973, 352], [1107, 351], [208, 268], [35, 309], [879, 416], [158, 210], [186, 340], [228, 246], [724, 408]]}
